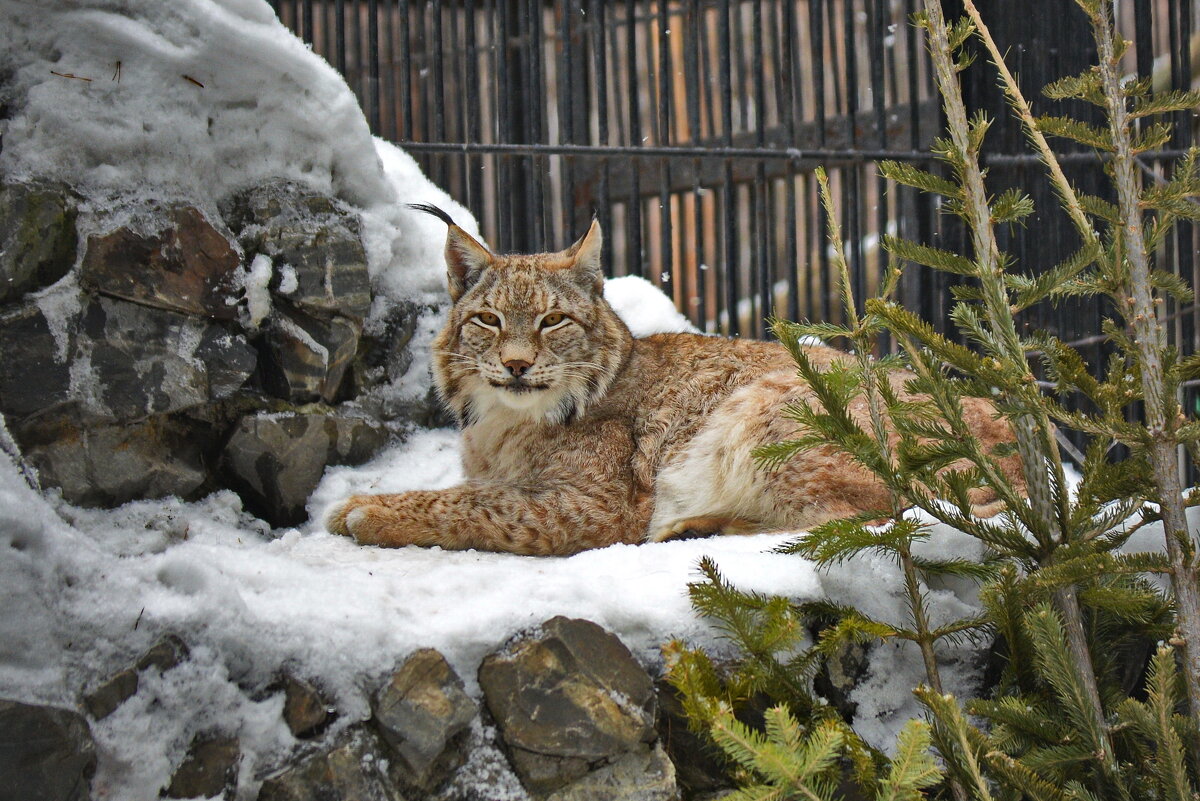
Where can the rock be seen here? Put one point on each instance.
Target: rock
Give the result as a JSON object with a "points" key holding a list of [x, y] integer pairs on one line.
{"points": [[35, 373], [422, 713], [384, 354], [106, 465], [641, 775], [305, 709], [116, 360], [46, 754], [353, 769], [304, 357], [209, 769], [165, 654], [567, 700], [149, 361], [188, 267], [699, 764], [839, 674], [313, 235], [276, 460], [37, 237], [119, 688]]}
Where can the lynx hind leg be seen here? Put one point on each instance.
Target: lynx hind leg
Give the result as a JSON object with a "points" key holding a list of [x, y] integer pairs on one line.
{"points": [[714, 485], [694, 528]]}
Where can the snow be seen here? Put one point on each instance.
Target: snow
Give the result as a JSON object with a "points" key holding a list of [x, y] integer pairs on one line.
{"points": [[254, 284], [85, 591], [645, 309], [191, 102]]}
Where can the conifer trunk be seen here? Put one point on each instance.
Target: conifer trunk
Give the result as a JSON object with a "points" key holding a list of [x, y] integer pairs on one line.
{"points": [[1162, 411], [1030, 433]]}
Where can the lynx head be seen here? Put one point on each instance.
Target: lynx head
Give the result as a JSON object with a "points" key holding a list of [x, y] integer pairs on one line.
{"points": [[527, 335]]}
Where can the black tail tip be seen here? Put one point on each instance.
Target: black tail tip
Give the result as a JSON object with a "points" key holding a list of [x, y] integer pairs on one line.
{"points": [[429, 208]]}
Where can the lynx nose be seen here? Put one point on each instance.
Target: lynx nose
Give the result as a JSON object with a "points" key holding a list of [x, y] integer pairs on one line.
{"points": [[517, 367]]}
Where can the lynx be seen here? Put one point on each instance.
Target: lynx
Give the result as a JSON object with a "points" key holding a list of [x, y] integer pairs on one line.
{"points": [[575, 435]]}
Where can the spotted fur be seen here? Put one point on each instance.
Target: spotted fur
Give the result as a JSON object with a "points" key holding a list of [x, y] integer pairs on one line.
{"points": [[577, 436]]}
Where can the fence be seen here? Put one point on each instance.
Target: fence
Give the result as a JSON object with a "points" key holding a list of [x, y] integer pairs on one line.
{"points": [[691, 129]]}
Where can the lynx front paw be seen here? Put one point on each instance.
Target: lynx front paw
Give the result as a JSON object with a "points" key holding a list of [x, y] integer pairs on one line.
{"points": [[335, 518], [368, 522]]}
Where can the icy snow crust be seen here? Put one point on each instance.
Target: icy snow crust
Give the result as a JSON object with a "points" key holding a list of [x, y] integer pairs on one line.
{"points": [[191, 101]]}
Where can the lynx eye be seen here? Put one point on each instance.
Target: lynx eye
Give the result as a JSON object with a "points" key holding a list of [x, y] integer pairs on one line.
{"points": [[553, 319], [488, 319]]}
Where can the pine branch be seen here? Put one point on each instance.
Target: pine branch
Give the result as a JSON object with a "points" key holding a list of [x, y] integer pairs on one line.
{"points": [[960, 744], [912, 768]]}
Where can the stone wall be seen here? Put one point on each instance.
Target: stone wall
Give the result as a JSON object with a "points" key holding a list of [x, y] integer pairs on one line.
{"points": [[183, 351], [573, 714]]}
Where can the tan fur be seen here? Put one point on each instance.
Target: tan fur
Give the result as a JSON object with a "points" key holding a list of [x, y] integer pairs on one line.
{"points": [[624, 440]]}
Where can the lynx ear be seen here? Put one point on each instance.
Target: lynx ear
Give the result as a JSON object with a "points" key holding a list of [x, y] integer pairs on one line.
{"points": [[585, 258], [466, 259]]}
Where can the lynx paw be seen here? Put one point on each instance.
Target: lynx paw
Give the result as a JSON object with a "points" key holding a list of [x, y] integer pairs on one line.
{"points": [[367, 521], [699, 527], [335, 518]]}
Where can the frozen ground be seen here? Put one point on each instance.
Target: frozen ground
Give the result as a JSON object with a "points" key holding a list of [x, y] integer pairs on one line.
{"points": [[85, 591]]}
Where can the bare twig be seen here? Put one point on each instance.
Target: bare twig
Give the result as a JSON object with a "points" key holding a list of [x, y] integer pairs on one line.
{"points": [[71, 75]]}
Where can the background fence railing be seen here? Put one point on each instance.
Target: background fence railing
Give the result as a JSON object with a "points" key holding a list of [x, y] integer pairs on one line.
{"points": [[691, 129]]}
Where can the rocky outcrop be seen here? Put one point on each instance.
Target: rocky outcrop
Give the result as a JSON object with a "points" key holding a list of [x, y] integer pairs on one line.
{"points": [[188, 267], [189, 350], [575, 710], [276, 460], [208, 770], [46, 753], [314, 243], [37, 237], [423, 713]]}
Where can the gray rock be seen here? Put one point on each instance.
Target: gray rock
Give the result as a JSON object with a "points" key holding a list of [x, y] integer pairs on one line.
{"points": [[165, 654], [567, 700], [305, 357], [276, 460], [117, 360], [840, 673], [700, 767], [208, 770], [116, 690], [35, 373], [37, 237], [384, 354], [422, 712], [100, 464], [46, 754], [306, 710], [312, 234], [353, 769], [642, 775], [149, 361], [189, 266]]}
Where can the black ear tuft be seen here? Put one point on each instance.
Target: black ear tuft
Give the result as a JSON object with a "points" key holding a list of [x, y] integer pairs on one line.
{"points": [[429, 208]]}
